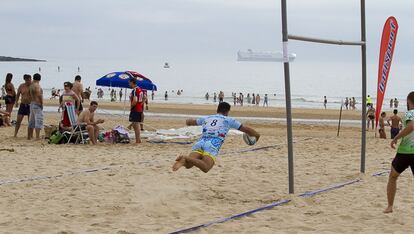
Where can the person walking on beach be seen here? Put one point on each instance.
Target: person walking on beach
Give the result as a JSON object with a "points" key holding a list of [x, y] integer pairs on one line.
{"points": [[396, 102], [248, 98], [257, 99], [405, 152], [253, 99], [325, 101], [395, 124], [215, 97], [234, 99], [152, 95], [120, 95], [371, 116], [381, 130], [207, 96], [215, 128], [241, 97], [353, 103], [36, 107], [346, 103], [78, 90], [24, 108], [135, 116], [166, 96], [221, 97], [10, 97], [266, 101], [113, 95], [391, 103]]}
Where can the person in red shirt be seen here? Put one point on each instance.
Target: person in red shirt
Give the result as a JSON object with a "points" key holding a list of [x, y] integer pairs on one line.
{"points": [[135, 116]]}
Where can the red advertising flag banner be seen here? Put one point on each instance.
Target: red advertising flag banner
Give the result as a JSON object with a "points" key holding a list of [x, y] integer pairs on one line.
{"points": [[389, 37]]}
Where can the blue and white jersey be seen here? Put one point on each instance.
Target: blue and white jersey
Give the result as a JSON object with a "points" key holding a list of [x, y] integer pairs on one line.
{"points": [[217, 126]]}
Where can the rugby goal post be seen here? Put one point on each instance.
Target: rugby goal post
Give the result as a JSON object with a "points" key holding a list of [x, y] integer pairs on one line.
{"points": [[285, 39]]}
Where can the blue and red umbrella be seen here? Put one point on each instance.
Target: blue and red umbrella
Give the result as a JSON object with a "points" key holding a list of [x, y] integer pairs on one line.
{"points": [[120, 80]]}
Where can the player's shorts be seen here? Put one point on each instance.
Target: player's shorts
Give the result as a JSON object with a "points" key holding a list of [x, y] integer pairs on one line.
{"points": [[135, 117], [24, 109], [402, 162], [36, 116], [394, 132], [208, 147]]}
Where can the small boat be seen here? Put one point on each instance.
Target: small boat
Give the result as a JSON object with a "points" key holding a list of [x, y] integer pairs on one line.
{"points": [[166, 65]]}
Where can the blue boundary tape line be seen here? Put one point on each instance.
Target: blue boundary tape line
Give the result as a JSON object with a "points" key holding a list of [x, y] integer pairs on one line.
{"points": [[381, 173], [266, 207], [327, 189], [222, 220]]}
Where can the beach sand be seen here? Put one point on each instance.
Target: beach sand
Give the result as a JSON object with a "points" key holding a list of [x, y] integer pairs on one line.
{"points": [[138, 192]]}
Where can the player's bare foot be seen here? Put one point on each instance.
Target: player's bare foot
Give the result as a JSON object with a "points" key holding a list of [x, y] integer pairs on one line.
{"points": [[179, 162], [388, 210]]}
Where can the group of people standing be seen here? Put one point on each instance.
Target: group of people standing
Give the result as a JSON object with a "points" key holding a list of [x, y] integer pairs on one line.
{"points": [[113, 95], [394, 103], [29, 99], [350, 103], [238, 99]]}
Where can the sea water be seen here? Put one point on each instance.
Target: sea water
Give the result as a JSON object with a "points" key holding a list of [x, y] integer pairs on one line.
{"points": [[309, 81]]}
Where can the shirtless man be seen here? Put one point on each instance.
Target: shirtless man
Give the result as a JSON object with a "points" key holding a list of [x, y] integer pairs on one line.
{"points": [[78, 89], [382, 126], [36, 107], [395, 124], [86, 118], [24, 108]]}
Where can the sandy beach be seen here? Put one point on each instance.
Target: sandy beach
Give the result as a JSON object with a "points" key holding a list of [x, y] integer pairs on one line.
{"points": [[137, 192]]}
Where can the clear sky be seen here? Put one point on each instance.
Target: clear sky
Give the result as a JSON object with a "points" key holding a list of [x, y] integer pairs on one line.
{"points": [[193, 29]]}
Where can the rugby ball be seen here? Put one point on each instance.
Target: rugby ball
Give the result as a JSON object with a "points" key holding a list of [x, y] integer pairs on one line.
{"points": [[249, 140]]}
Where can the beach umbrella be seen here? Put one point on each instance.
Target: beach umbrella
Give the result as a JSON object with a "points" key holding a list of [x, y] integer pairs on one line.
{"points": [[120, 80]]}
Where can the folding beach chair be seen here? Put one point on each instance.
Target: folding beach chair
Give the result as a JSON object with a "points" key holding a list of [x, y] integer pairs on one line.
{"points": [[76, 131]]}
